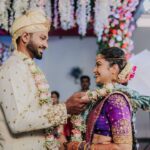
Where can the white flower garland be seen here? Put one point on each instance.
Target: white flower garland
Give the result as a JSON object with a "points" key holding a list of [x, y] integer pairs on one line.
{"points": [[34, 4], [88, 11], [40, 80], [102, 11], [43, 4], [79, 125], [11, 19], [20, 7], [115, 3], [66, 13], [83, 15], [44, 98], [48, 9], [38, 4], [72, 19], [55, 14], [4, 5]]}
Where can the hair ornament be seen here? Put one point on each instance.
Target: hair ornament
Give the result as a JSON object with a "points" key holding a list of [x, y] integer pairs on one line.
{"points": [[127, 73]]}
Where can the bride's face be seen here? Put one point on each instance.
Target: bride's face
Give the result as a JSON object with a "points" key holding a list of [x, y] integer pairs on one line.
{"points": [[102, 71]]}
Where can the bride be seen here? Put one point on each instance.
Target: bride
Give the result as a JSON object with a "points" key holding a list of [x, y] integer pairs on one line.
{"points": [[109, 123]]}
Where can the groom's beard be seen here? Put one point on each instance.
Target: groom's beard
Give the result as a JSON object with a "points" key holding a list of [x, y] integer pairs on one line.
{"points": [[33, 48]]}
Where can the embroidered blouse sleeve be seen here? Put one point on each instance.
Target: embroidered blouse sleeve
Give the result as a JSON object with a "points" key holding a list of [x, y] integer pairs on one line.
{"points": [[20, 105], [119, 116]]}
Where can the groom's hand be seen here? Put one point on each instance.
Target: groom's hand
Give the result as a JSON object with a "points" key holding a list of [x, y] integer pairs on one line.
{"points": [[76, 103]]}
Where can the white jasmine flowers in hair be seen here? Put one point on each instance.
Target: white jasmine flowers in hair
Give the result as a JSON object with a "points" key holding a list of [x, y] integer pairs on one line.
{"points": [[124, 74]]}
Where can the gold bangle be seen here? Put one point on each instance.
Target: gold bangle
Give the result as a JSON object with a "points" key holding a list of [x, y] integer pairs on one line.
{"points": [[85, 147], [92, 147]]}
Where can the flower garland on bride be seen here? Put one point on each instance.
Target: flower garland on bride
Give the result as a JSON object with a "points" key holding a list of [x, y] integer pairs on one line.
{"points": [[79, 121]]}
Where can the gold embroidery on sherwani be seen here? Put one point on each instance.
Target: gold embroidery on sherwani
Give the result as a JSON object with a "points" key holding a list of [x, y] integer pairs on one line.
{"points": [[22, 110]]}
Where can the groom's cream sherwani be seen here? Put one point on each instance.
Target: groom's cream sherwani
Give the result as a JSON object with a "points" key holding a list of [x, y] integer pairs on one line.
{"points": [[22, 120]]}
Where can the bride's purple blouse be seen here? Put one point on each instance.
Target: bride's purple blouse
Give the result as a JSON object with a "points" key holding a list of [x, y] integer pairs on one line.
{"points": [[114, 119]]}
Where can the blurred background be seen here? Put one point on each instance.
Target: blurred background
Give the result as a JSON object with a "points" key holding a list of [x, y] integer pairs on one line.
{"points": [[79, 28]]}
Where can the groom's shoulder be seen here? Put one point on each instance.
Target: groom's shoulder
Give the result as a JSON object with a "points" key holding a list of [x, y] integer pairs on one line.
{"points": [[12, 63]]}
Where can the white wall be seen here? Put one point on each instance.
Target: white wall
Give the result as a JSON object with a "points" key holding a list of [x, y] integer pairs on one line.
{"points": [[141, 83], [141, 38]]}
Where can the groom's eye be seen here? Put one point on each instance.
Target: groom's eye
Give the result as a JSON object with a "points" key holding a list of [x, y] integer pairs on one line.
{"points": [[42, 38], [98, 64]]}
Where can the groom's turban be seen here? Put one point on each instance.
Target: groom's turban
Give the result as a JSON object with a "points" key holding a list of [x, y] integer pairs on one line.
{"points": [[32, 21]]}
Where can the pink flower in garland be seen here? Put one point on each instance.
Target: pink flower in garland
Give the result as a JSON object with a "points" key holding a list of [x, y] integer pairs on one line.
{"points": [[43, 96], [77, 122], [38, 78], [122, 26], [75, 131], [114, 31], [43, 86]]}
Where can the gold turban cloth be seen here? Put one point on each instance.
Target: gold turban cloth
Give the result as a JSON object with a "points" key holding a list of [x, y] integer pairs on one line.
{"points": [[32, 21]]}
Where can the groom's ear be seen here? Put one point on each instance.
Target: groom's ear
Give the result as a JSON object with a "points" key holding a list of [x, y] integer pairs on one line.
{"points": [[25, 37]]}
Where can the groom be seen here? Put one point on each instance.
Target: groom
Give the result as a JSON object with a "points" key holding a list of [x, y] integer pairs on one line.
{"points": [[26, 108]]}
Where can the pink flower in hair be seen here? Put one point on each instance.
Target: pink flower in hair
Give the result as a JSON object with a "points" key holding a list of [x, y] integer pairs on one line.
{"points": [[132, 74]]}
